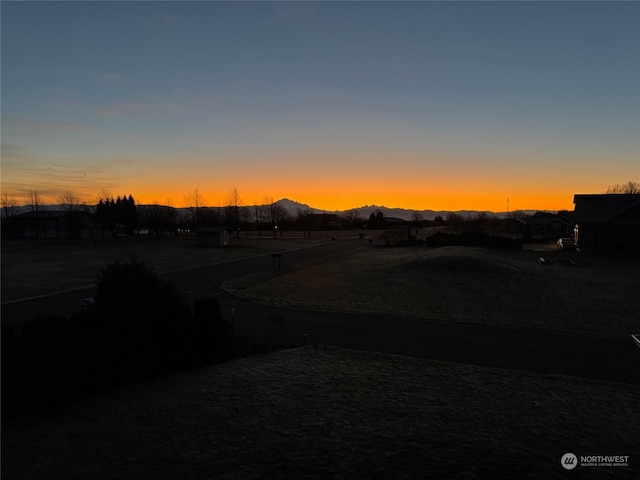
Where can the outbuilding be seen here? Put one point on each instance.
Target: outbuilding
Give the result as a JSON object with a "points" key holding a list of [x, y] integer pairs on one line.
{"points": [[212, 237]]}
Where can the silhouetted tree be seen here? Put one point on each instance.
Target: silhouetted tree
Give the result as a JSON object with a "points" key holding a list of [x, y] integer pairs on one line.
{"points": [[233, 210], [195, 202], [123, 211], [628, 188], [71, 205], [260, 216], [277, 218], [69, 201], [9, 208], [9, 205], [36, 207], [352, 219], [36, 202], [376, 220], [477, 223], [456, 221], [159, 218]]}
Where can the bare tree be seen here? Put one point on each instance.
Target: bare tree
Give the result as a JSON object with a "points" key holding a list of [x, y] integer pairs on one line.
{"points": [[104, 196], [352, 218], [260, 213], [9, 205], [277, 217], [195, 202], [629, 188], [456, 221], [36, 202], [233, 204], [69, 201], [36, 206]]}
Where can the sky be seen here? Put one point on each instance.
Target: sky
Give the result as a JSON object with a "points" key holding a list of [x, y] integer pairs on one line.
{"points": [[419, 105]]}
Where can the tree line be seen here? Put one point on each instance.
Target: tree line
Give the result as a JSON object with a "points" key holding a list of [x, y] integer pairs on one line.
{"points": [[270, 217]]}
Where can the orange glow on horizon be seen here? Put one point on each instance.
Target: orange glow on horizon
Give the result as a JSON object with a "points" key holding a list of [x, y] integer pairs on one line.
{"points": [[339, 198]]}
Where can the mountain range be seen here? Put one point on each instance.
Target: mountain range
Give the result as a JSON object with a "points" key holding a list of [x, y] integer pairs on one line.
{"points": [[292, 207]]}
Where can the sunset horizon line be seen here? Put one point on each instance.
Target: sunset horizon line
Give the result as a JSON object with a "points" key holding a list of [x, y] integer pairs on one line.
{"points": [[298, 204]]}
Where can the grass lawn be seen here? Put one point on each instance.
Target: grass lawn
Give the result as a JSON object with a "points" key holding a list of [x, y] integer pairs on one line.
{"points": [[40, 267], [334, 413], [598, 295]]}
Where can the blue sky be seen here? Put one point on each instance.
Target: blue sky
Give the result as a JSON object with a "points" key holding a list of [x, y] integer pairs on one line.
{"points": [[334, 104]]}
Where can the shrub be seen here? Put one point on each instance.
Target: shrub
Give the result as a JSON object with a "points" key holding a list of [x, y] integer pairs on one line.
{"points": [[211, 331], [133, 286], [440, 239], [138, 328]]}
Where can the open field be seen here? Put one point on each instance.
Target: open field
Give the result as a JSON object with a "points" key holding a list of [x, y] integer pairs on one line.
{"points": [[39, 267], [334, 413], [598, 295]]}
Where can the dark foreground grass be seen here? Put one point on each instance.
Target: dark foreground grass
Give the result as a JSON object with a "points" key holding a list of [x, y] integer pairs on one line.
{"points": [[334, 413]]}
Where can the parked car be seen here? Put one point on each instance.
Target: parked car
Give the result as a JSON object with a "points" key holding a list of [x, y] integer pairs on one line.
{"points": [[566, 243]]}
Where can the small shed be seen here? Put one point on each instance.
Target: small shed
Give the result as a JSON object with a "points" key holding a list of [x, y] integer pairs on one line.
{"points": [[212, 237]]}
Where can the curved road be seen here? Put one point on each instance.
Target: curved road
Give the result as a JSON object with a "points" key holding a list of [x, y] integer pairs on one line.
{"points": [[540, 352]]}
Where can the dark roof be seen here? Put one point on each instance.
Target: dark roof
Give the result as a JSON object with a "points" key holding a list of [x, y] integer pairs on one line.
{"points": [[86, 219], [395, 221], [602, 208], [545, 219], [43, 214]]}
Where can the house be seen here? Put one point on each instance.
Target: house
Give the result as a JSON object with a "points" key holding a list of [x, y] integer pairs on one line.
{"points": [[56, 224], [547, 227], [515, 226], [321, 221], [607, 221], [212, 237]]}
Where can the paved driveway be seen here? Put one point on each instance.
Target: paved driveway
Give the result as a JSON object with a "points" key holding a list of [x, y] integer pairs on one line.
{"points": [[541, 352]]}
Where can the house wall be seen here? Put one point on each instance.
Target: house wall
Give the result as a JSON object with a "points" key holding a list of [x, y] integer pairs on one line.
{"points": [[609, 236], [212, 239], [621, 233]]}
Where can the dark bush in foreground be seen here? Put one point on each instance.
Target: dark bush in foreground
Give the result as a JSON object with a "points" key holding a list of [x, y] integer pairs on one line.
{"points": [[138, 328], [211, 332], [132, 286]]}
